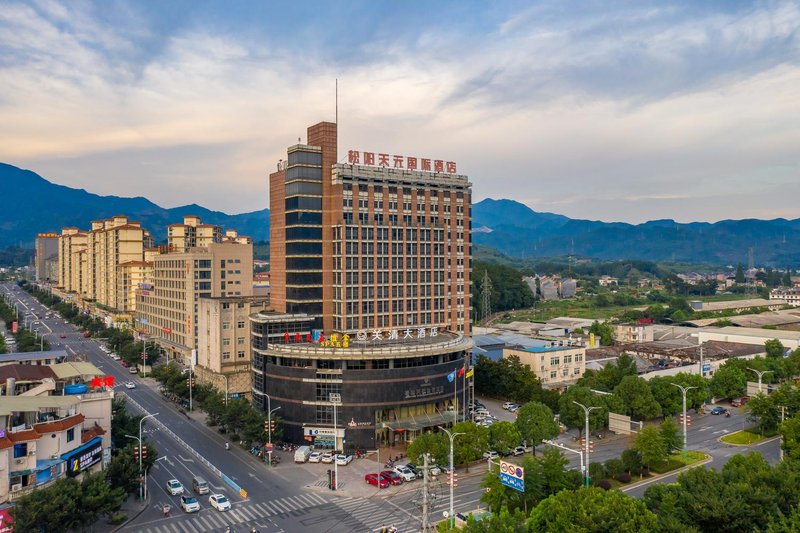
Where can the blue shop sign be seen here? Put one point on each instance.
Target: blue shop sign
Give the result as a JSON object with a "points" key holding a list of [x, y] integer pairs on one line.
{"points": [[83, 457]]}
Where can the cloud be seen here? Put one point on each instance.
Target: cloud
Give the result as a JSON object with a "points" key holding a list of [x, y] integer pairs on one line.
{"points": [[617, 112]]}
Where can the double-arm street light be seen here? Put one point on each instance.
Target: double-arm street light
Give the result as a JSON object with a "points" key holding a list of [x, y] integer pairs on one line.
{"points": [[142, 481], [452, 436], [684, 390], [586, 411], [759, 373]]}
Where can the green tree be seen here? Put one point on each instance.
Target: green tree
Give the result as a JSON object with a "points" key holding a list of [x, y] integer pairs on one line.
{"points": [[610, 375], [764, 410], [123, 471], [535, 422], [728, 382], [56, 508], [591, 510], [471, 445], [504, 436], [673, 440], [604, 331], [98, 498], [637, 398], [790, 431], [435, 444], [651, 445], [573, 416], [774, 348], [739, 277], [631, 460], [503, 522], [669, 397]]}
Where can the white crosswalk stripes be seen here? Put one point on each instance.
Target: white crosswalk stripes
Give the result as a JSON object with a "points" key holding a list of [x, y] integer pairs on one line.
{"points": [[370, 514]]}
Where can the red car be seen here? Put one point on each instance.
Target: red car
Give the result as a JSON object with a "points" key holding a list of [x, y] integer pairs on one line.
{"points": [[392, 477], [63, 336], [87, 334], [123, 363], [373, 479]]}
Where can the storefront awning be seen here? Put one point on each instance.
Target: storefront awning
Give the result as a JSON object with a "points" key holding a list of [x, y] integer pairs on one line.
{"points": [[425, 420]]}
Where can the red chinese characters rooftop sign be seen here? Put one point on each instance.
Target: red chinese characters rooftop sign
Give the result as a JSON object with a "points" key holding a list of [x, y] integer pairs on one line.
{"points": [[354, 157]]}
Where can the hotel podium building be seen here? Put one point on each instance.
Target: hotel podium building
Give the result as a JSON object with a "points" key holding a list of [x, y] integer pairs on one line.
{"points": [[370, 280]]}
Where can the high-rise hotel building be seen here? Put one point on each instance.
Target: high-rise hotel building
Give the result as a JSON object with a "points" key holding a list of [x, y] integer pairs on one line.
{"points": [[370, 287], [376, 242]]}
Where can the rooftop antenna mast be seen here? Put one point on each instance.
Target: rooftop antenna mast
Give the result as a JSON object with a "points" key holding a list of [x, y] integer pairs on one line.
{"points": [[336, 117]]}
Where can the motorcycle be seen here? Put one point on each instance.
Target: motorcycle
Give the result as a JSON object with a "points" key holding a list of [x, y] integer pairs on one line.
{"points": [[227, 446]]}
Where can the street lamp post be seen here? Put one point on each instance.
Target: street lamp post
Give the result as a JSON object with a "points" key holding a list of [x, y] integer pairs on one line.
{"points": [[226, 387], [142, 485], [336, 399], [586, 411], [684, 390], [451, 436], [759, 373], [269, 434]]}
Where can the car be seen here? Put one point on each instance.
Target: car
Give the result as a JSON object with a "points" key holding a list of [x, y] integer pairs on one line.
{"points": [[130, 385], [508, 405], [718, 410], [87, 334], [738, 402], [62, 336], [115, 357], [414, 468], [435, 470], [519, 450], [491, 454], [189, 503], [405, 473], [219, 502], [392, 477], [375, 479], [326, 458], [174, 487], [124, 363], [314, 457], [133, 370], [343, 460], [514, 408]]}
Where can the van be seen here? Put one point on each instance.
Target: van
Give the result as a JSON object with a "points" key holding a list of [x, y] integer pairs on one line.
{"points": [[199, 485], [301, 454]]}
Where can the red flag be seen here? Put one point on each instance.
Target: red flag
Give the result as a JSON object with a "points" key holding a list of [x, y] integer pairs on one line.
{"points": [[461, 371], [308, 337], [286, 337], [297, 337]]}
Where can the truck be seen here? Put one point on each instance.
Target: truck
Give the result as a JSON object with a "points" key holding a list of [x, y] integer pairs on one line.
{"points": [[301, 454]]}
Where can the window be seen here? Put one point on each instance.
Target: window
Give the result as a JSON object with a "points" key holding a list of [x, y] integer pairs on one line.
{"points": [[240, 354], [553, 374], [226, 342], [240, 341], [226, 325], [21, 449], [226, 355], [70, 434], [554, 361], [565, 372], [578, 358], [576, 371], [240, 324], [567, 359]]}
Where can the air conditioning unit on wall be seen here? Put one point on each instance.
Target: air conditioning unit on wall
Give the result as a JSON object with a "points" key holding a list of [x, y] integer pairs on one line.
{"points": [[16, 487]]}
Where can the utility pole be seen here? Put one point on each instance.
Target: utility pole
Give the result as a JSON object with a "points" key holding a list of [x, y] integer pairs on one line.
{"points": [[759, 373], [783, 416], [451, 436], [336, 399], [486, 296], [586, 411], [702, 372], [425, 493], [684, 390]]}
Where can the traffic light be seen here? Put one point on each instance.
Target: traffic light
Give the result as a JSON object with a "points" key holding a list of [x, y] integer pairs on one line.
{"points": [[272, 425], [136, 452], [452, 479], [688, 419], [144, 453], [583, 444]]}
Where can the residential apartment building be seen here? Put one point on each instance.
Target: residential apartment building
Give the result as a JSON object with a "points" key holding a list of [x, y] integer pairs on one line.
{"points": [[169, 310], [223, 342], [383, 244], [110, 243], [52, 424], [789, 296], [46, 250], [72, 260], [192, 234], [132, 276], [555, 366], [633, 333]]}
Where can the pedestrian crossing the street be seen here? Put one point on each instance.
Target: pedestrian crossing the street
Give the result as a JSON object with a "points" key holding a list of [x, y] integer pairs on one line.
{"points": [[247, 514]]}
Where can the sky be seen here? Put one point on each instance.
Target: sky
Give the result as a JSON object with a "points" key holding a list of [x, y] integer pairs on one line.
{"points": [[614, 111]]}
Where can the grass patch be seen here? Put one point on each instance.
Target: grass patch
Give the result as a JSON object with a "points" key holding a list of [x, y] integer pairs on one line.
{"points": [[677, 460], [744, 437]]}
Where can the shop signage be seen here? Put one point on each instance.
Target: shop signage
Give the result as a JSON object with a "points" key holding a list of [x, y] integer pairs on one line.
{"points": [[322, 432], [355, 157], [83, 460], [424, 391], [344, 340]]}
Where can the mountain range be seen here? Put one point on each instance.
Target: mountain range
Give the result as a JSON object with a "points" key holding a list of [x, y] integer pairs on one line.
{"points": [[505, 225]]}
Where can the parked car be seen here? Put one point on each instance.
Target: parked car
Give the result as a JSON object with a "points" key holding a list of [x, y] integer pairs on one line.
{"points": [[219, 502], [491, 454], [514, 408], [738, 402], [519, 450], [326, 458], [406, 473], [62, 336], [392, 477], [718, 410], [174, 487], [508, 405], [375, 479], [189, 503], [314, 457], [417, 471], [343, 460], [124, 363]]}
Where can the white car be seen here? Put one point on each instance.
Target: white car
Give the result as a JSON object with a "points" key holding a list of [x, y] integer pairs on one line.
{"points": [[326, 458], [219, 502], [435, 470], [507, 405], [314, 457], [405, 473], [491, 454], [189, 503], [130, 385], [519, 450], [174, 487], [343, 460], [115, 357]]}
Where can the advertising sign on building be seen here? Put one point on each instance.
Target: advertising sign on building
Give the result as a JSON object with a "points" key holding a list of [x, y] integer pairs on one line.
{"points": [[512, 476], [83, 460], [14, 327]]}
